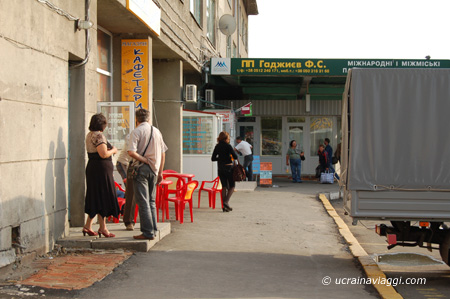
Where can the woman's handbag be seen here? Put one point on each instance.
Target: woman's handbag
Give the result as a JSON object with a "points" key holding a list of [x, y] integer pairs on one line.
{"points": [[238, 172]]}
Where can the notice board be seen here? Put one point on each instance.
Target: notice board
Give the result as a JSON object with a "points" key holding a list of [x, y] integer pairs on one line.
{"points": [[266, 174]]}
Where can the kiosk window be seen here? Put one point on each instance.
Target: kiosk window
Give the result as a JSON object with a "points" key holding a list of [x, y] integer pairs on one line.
{"points": [[271, 131], [197, 135]]}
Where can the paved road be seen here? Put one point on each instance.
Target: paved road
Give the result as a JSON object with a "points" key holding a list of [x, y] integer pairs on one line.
{"points": [[424, 268], [277, 243]]}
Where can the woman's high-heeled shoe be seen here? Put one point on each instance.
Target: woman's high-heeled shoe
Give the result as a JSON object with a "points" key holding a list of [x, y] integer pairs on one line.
{"points": [[227, 207], [110, 235], [89, 232]]}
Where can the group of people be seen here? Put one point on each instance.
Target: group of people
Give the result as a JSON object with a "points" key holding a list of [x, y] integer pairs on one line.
{"points": [[294, 158], [140, 164], [325, 153]]}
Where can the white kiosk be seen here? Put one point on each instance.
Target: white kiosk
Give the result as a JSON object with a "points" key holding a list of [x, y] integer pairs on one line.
{"points": [[200, 131]]}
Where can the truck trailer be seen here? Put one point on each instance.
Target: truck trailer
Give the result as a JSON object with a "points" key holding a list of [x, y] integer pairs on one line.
{"points": [[395, 160]]}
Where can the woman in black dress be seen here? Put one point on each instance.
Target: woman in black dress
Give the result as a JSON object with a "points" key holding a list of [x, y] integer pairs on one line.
{"points": [[101, 197], [222, 154]]}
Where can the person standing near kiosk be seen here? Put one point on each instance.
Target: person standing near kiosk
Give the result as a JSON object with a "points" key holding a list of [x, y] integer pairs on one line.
{"points": [[245, 149]]}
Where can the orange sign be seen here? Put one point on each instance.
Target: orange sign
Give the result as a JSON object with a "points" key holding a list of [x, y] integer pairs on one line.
{"points": [[135, 72]]}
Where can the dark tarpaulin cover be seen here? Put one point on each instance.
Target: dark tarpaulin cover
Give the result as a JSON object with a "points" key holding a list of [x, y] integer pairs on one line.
{"points": [[399, 129]]}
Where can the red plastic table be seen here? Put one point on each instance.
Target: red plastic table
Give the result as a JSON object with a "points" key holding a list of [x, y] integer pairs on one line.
{"points": [[185, 176]]}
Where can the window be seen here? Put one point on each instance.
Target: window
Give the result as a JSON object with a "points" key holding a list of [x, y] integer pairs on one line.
{"points": [[294, 119], [104, 65], [271, 133], [320, 128], [247, 133], [196, 10], [211, 20]]}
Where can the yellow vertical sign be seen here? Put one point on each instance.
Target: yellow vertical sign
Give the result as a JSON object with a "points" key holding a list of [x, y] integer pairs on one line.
{"points": [[135, 72]]}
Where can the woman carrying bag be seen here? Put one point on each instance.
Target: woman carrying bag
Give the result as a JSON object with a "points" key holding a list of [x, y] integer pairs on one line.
{"points": [[223, 152]]}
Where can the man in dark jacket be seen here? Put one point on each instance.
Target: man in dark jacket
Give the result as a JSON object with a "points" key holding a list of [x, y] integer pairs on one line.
{"points": [[329, 153], [323, 161]]}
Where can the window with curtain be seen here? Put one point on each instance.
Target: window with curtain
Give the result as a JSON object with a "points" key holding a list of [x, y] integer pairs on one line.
{"points": [[320, 128], [211, 20], [104, 65], [196, 10]]}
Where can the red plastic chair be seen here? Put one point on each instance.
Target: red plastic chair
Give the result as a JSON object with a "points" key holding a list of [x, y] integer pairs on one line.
{"points": [[185, 195], [212, 191], [121, 202], [172, 188], [175, 194]]}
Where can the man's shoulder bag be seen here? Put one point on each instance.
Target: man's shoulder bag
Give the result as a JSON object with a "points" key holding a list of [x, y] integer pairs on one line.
{"points": [[135, 165]]}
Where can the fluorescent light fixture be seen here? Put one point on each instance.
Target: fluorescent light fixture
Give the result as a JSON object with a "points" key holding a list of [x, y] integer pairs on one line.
{"points": [[308, 102]]}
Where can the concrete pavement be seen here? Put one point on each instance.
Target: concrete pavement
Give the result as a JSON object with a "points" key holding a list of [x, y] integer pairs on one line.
{"points": [[277, 242]]}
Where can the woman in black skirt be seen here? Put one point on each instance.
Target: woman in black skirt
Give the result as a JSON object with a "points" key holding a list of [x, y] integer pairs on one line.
{"points": [[222, 154], [101, 197]]}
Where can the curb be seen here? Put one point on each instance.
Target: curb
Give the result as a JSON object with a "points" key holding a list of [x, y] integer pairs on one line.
{"points": [[371, 268]]}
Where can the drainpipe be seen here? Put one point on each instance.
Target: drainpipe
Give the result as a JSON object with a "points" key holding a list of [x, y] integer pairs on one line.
{"points": [[87, 39]]}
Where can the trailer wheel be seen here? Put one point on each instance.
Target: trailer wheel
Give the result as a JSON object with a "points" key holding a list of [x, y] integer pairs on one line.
{"points": [[444, 248]]}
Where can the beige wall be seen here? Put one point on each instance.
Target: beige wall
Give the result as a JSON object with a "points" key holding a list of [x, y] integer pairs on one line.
{"points": [[34, 129], [43, 121]]}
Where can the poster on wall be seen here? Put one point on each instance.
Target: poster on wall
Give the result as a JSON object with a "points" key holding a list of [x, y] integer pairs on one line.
{"points": [[120, 119], [135, 72]]}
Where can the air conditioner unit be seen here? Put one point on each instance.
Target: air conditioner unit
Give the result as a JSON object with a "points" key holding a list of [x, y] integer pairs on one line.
{"points": [[209, 97], [191, 93]]}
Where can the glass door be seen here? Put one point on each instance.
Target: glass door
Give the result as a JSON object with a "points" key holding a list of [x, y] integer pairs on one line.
{"points": [[250, 133], [295, 131], [248, 129], [296, 128]]}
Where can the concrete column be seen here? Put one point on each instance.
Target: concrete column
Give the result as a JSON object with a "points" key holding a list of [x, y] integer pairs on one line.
{"points": [[77, 148], [150, 76], [168, 113]]}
